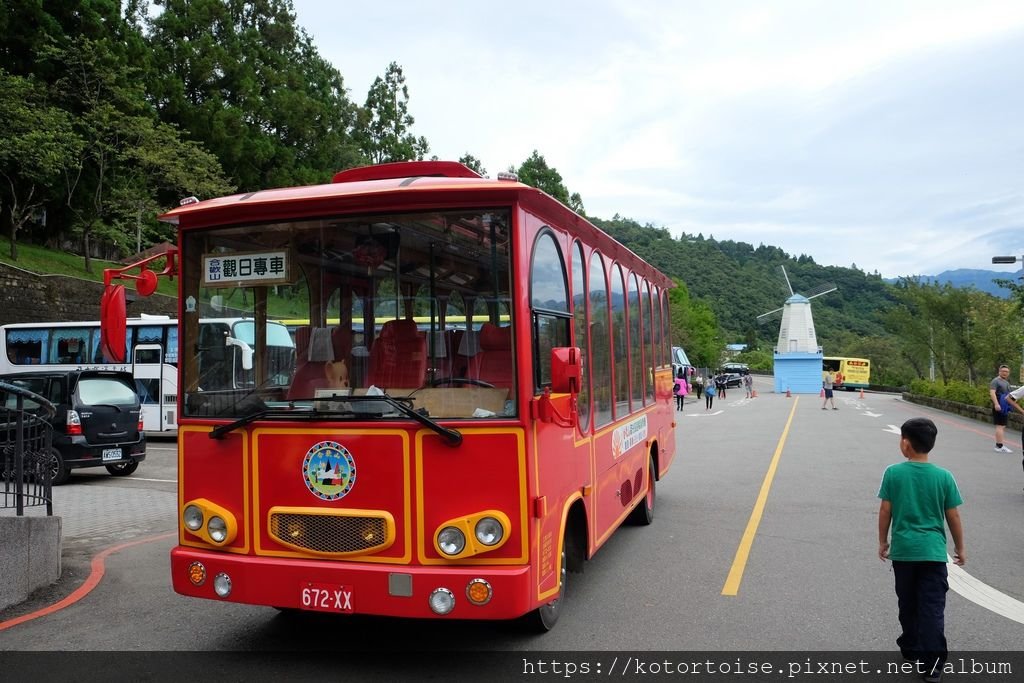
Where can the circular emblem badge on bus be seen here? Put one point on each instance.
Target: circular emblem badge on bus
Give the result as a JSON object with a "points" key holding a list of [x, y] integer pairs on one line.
{"points": [[329, 470]]}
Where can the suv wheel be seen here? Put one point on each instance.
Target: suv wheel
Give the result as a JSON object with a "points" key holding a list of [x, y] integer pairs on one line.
{"points": [[59, 471], [123, 469]]}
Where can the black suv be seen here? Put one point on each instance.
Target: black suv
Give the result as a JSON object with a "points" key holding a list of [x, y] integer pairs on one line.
{"points": [[98, 420], [737, 368]]}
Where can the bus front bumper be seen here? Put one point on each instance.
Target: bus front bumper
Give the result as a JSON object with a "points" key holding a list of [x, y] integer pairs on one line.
{"points": [[347, 587]]}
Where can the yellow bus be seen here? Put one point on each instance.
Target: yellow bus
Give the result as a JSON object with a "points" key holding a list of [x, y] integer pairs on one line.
{"points": [[850, 373]]}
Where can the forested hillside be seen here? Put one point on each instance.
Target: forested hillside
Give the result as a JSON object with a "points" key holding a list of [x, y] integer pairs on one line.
{"points": [[740, 281], [110, 113]]}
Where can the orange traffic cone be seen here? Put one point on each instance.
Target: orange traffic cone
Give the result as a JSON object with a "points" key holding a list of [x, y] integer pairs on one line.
{"points": [[862, 393], [789, 394], [753, 393]]}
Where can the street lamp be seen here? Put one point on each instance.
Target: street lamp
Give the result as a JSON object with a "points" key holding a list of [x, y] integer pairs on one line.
{"points": [[1012, 259]]}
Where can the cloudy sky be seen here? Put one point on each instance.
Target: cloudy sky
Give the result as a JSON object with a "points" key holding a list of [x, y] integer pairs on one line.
{"points": [[885, 134]]}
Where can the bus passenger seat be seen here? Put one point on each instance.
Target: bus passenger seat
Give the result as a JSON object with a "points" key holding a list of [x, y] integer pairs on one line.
{"points": [[467, 345], [313, 350], [398, 357], [494, 363]]}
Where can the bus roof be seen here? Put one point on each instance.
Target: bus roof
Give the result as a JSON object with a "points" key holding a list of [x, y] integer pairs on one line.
{"points": [[401, 186]]}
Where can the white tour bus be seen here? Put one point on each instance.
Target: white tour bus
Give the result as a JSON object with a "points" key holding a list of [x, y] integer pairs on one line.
{"points": [[152, 343]]}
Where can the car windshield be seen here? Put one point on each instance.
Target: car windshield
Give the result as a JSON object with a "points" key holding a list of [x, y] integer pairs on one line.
{"points": [[414, 306], [106, 391]]}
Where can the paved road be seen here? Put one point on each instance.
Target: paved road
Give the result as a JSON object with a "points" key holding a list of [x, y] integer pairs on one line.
{"points": [[811, 581]]}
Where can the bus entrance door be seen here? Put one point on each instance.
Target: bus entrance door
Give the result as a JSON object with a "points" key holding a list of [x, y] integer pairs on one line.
{"points": [[147, 368]]}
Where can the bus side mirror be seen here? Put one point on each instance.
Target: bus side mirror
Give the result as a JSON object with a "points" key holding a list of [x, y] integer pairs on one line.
{"points": [[246, 351], [566, 368], [113, 324]]}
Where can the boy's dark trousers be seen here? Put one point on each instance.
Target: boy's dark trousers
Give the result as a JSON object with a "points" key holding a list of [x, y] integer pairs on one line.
{"points": [[921, 589]]}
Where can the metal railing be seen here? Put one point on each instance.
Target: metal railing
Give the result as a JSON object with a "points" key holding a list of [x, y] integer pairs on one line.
{"points": [[25, 456]]}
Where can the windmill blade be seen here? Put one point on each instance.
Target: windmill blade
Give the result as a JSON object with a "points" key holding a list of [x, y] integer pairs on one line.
{"points": [[821, 289], [770, 315], [787, 280]]}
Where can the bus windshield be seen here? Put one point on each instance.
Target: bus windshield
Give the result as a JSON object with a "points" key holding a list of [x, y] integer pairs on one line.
{"points": [[415, 306]]}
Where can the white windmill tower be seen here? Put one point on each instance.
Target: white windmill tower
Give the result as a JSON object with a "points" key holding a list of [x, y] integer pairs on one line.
{"points": [[798, 358]]}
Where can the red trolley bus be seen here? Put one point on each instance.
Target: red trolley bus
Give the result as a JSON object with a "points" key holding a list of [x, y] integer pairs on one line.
{"points": [[481, 397]]}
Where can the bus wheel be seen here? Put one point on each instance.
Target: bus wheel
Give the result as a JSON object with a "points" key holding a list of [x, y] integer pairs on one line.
{"points": [[544, 618], [123, 469], [643, 513], [59, 471]]}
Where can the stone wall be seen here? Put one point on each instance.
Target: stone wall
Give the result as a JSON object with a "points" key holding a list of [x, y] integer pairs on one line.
{"points": [[27, 297], [980, 413]]}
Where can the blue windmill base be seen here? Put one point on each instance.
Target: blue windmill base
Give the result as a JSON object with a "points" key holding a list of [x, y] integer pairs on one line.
{"points": [[799, 373]]}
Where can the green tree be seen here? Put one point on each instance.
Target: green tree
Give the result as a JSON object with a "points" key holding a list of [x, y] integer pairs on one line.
{"points": [[242, 79], [37, 145], [385, 121], [472, 162], [129, 159], [694, 327], [157, 168], [536, 173]]}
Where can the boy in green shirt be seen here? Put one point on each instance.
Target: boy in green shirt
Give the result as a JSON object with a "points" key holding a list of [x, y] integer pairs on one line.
{"points": [[918, 500]]}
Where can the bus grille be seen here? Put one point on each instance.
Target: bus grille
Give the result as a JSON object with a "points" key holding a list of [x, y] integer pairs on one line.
{"points": [[332, 534]]}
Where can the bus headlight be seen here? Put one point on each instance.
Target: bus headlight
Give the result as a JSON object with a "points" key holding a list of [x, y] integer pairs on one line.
{"points": [[489, 531], [192, 517], [218, 529], [210, 522], [451, 541], [442, 601], [222, 585], [478, 532]]}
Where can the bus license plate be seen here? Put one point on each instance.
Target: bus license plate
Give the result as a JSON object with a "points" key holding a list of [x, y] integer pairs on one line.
{"points": [[111, 454], [326, 597]]}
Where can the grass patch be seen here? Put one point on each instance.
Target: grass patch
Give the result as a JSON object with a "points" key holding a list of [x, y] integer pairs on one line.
{"points": [[43, 261]]}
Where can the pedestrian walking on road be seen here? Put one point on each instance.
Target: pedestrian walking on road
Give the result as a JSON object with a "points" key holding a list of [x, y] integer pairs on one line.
{"points": [[748, 384], [998, 388], [827, 384], [1012, 399], [679, 388], [919, 500], [709, 394], [720, 384], [698, 385]]}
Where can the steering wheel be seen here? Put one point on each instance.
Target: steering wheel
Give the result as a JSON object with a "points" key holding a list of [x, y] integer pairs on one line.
{"points": [[445, 381]]}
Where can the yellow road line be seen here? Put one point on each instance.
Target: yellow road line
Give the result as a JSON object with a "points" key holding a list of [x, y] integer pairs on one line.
{"points": [[739, 563]]}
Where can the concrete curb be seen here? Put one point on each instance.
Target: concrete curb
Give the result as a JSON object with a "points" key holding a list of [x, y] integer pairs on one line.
{"points": [[30, 558]]}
